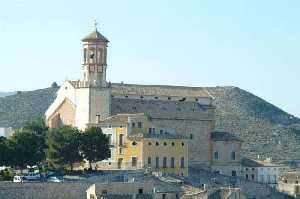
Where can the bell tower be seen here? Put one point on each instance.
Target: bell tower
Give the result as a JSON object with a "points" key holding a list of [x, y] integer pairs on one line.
{"points": [[94, 59]]}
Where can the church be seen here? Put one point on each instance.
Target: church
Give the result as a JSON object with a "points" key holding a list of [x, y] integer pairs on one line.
{"points": [[188, 112]]}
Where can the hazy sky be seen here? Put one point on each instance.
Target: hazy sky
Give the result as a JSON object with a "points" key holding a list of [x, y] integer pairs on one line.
{"points": [[251, 44]]}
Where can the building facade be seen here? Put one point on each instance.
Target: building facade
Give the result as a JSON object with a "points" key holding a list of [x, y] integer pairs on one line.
{"points": [[146, 187], [136, 143], [6, 131], [226, 158], [187, 110], [263, 171], [288, 183]]}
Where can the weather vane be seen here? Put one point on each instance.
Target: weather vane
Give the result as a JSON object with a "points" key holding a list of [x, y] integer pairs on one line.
{"points": [[95, 24]]}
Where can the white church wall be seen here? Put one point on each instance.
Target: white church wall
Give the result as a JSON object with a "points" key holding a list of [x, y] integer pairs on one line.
{"points": [[65, 91], [82, 107]]}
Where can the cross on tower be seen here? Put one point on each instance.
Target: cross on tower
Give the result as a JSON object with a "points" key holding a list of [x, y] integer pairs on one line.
{"points": [[95, 24]]}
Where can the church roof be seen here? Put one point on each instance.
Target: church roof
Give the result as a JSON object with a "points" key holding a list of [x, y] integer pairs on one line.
{"points": [[119, 118], [95, 36], [162, 109], [224, 136], [159, 90]]}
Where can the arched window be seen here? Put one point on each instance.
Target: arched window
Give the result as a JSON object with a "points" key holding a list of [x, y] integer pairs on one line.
{"points": [[172, 162]]}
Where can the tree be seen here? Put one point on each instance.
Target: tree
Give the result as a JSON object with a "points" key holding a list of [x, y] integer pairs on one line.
{"points": [[54, 85], [36, 126], [25, 147], [39, 128], [94, 145], [5, 152], [63, 147]]}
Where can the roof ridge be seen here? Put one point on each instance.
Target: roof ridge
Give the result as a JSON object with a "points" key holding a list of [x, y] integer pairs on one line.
{"points": [[159, 85]]}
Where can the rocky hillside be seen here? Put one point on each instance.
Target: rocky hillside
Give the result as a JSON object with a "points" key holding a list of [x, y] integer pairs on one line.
{"points": [[265, 129], [4, 94], [16, 109]]}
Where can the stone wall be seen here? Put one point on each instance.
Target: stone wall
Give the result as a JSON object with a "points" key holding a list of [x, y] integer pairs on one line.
{"points": [[187, 118], [100, 104], [225, 164], [10, 190], [65, 114], [198, 132]]}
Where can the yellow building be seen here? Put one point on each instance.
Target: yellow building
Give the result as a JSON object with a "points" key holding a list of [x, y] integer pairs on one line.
{"points": [[137, 144]]}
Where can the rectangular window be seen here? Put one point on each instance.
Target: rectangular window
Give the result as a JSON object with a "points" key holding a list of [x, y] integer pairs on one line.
{"points": [[172, 162], [165, 162], [149, 161], [104, 192], [157, 162], [153, 130], [252, 176], [121, 151], [121, 139], [182, 162], [150, 130], [120, 160], [134, 161], [233, 155], [161, 131], [133, 124], [216, 155], [140, 124], [141, 191], [233, 173]]}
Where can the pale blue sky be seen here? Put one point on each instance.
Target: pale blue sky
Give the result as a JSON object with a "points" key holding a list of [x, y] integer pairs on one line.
{"points": [[251, 44]]}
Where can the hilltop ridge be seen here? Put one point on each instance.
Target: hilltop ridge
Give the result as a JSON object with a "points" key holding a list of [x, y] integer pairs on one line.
{"points": [[264, 128]]}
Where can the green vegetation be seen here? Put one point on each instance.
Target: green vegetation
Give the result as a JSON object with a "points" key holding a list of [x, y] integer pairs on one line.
{"points": [[264, 128], [63, 147], [35, 144], [94, 145]]}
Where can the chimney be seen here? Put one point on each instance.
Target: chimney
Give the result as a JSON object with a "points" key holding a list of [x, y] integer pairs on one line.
{"points": [[98, 118]]}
